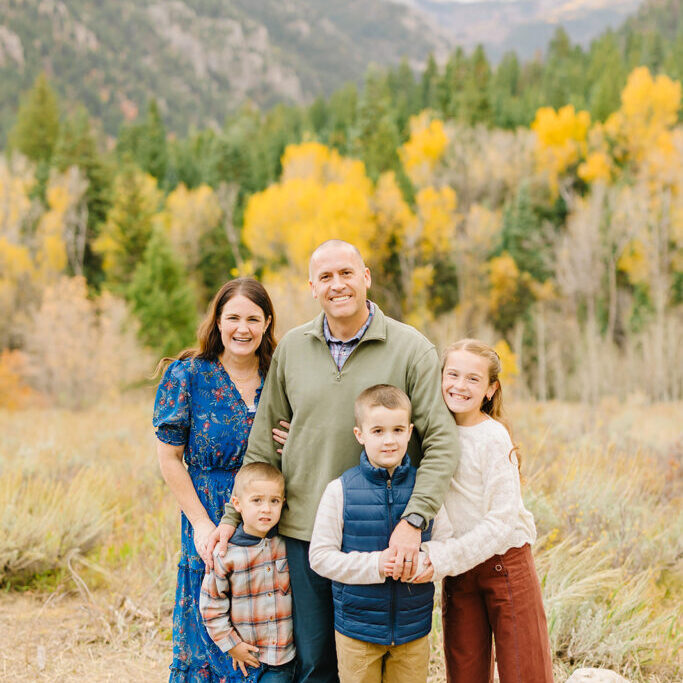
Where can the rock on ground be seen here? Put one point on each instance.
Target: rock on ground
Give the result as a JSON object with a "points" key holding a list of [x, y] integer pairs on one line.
{"points": [[590, 675]]}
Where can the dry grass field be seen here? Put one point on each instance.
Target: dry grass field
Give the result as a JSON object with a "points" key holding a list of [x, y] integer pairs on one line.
{"points": [[90, 537]]}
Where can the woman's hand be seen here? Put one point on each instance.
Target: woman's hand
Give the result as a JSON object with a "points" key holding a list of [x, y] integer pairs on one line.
{"points": [[201, 532], [280, 435]]}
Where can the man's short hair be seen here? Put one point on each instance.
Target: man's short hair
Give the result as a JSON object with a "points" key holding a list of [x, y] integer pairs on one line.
{"points": [[327, 244], [384, 395], [256, 471]]}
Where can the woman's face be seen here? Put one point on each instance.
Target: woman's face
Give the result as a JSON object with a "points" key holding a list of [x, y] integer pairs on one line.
{"points": [[242, 324]]}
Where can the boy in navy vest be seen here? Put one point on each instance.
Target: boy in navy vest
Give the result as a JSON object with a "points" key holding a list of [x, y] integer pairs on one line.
{"points": [[381, 625]]}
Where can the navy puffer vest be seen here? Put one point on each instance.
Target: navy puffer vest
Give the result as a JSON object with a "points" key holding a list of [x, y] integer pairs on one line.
{"points": [[389, 613]]}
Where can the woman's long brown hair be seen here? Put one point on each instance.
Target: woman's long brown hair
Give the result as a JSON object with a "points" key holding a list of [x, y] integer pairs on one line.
{"points": [[209, 342]]}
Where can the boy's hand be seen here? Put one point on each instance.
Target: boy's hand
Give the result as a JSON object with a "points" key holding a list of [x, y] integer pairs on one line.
{"points": [[241, 655], [405, 540], [280, 435], [427, 574], [220, 535], [386, 561]]}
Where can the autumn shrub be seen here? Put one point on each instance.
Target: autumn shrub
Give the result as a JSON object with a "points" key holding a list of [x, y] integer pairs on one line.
{"points": [[46, 522], [14, 392], [82, 350]]}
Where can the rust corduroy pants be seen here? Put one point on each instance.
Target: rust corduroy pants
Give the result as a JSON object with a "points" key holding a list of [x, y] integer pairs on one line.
{"points": [[499, 597]]}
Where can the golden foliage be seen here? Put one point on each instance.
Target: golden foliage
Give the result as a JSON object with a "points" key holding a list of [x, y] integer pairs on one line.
{"points": [[633, 261], [321, 196], [424, 149], [435, 228], [508, 362], [15, 394], [504, 276], [597, 166], [189, 214], [561, 139]]}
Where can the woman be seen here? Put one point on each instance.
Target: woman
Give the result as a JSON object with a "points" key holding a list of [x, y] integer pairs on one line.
{"points": [[203, 413]]}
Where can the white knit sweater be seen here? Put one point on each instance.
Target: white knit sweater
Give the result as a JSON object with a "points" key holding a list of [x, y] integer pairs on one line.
{"points": [[483, 503]]}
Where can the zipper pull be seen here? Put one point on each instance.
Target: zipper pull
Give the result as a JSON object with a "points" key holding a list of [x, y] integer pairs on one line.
{"points": [[390, 492]]}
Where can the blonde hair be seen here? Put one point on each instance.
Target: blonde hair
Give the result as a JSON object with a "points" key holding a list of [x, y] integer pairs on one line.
{"points": [[384, 395], [491, 406], [256, 471]]}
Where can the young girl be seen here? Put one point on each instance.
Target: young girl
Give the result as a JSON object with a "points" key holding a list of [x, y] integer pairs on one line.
{"points": [[491, 586]]}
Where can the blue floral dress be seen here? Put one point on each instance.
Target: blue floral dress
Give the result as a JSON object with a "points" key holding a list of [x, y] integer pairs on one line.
{"points": [[198, 406]]}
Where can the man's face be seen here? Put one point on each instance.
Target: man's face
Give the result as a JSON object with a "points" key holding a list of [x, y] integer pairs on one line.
{"points": [[340, 282]]}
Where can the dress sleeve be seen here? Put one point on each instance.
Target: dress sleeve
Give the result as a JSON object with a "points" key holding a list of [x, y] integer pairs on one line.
{"points": [[172, 406]]}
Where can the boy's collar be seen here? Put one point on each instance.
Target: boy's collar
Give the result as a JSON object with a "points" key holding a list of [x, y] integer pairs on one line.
{"points": [[381, 474], [242, 538]]}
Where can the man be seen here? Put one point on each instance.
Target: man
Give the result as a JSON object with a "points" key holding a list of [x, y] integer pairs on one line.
{"points": [[317, 372]]}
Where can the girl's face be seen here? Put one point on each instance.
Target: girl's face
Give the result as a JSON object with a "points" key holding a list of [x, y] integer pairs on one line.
{"points": [[465, 384]]}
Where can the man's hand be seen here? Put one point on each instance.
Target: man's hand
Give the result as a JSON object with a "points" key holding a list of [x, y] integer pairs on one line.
{"points": [[241, 654], [405, 540], [280, 435], [386, 561], [220, 535]]}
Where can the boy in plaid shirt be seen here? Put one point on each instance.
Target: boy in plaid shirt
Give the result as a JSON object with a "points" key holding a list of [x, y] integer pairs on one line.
{"points": [[246, 601]]}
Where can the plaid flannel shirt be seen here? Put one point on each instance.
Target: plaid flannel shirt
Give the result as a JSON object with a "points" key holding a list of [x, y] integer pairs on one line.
{"points": [[341, 350], [247, 597]]}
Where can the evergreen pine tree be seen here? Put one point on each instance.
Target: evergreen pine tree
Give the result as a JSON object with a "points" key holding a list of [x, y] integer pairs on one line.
{"points": [[430, 81], [376, 137], [152, 154], [162, 300], [76, 147], [37, 127], [523, 237]]}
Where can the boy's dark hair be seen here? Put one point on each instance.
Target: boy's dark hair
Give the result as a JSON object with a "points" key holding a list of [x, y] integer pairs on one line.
{"points": [[256, 471], [384, 395]]}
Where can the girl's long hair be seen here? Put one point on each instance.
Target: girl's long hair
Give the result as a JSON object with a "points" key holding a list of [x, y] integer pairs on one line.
{"points": [[209, 342], [491, 406]]}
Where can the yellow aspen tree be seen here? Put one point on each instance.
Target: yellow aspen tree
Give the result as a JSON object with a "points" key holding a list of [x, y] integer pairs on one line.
{"points": [[648, 112], [561, 140], [188, 215], [61, 232], [321, 195], [425, 148]]}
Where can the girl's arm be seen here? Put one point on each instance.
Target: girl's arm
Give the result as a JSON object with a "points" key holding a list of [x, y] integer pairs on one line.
{"points": [[180, 483], [502, 498], [325, 554]]}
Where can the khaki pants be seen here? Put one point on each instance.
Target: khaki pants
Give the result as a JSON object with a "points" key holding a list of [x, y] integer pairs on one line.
{"points": [[361, 662]]}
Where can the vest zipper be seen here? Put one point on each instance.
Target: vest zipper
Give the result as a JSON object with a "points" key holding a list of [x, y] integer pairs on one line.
{"points": [[392, 608]]}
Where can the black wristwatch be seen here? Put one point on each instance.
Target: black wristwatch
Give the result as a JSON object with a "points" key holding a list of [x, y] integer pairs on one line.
{"points": [[418, 521]]}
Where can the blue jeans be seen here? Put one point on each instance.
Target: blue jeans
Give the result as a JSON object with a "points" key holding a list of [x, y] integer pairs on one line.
{"points": [[278, 674], [316, 653]]}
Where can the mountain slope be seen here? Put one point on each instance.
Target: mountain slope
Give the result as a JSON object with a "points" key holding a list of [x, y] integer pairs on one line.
{"points": [[200, 58]]}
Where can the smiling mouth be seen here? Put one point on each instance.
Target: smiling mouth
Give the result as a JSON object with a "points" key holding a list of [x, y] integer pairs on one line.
{"points": [[241, 341], [339, 299], [458, 397]]}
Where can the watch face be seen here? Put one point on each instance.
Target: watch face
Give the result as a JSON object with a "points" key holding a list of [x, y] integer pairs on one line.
{"points": [[415, 520]]}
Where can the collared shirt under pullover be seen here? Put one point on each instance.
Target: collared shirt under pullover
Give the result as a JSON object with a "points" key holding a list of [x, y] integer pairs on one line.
{"points": [[305, 387], [247, 597]]}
